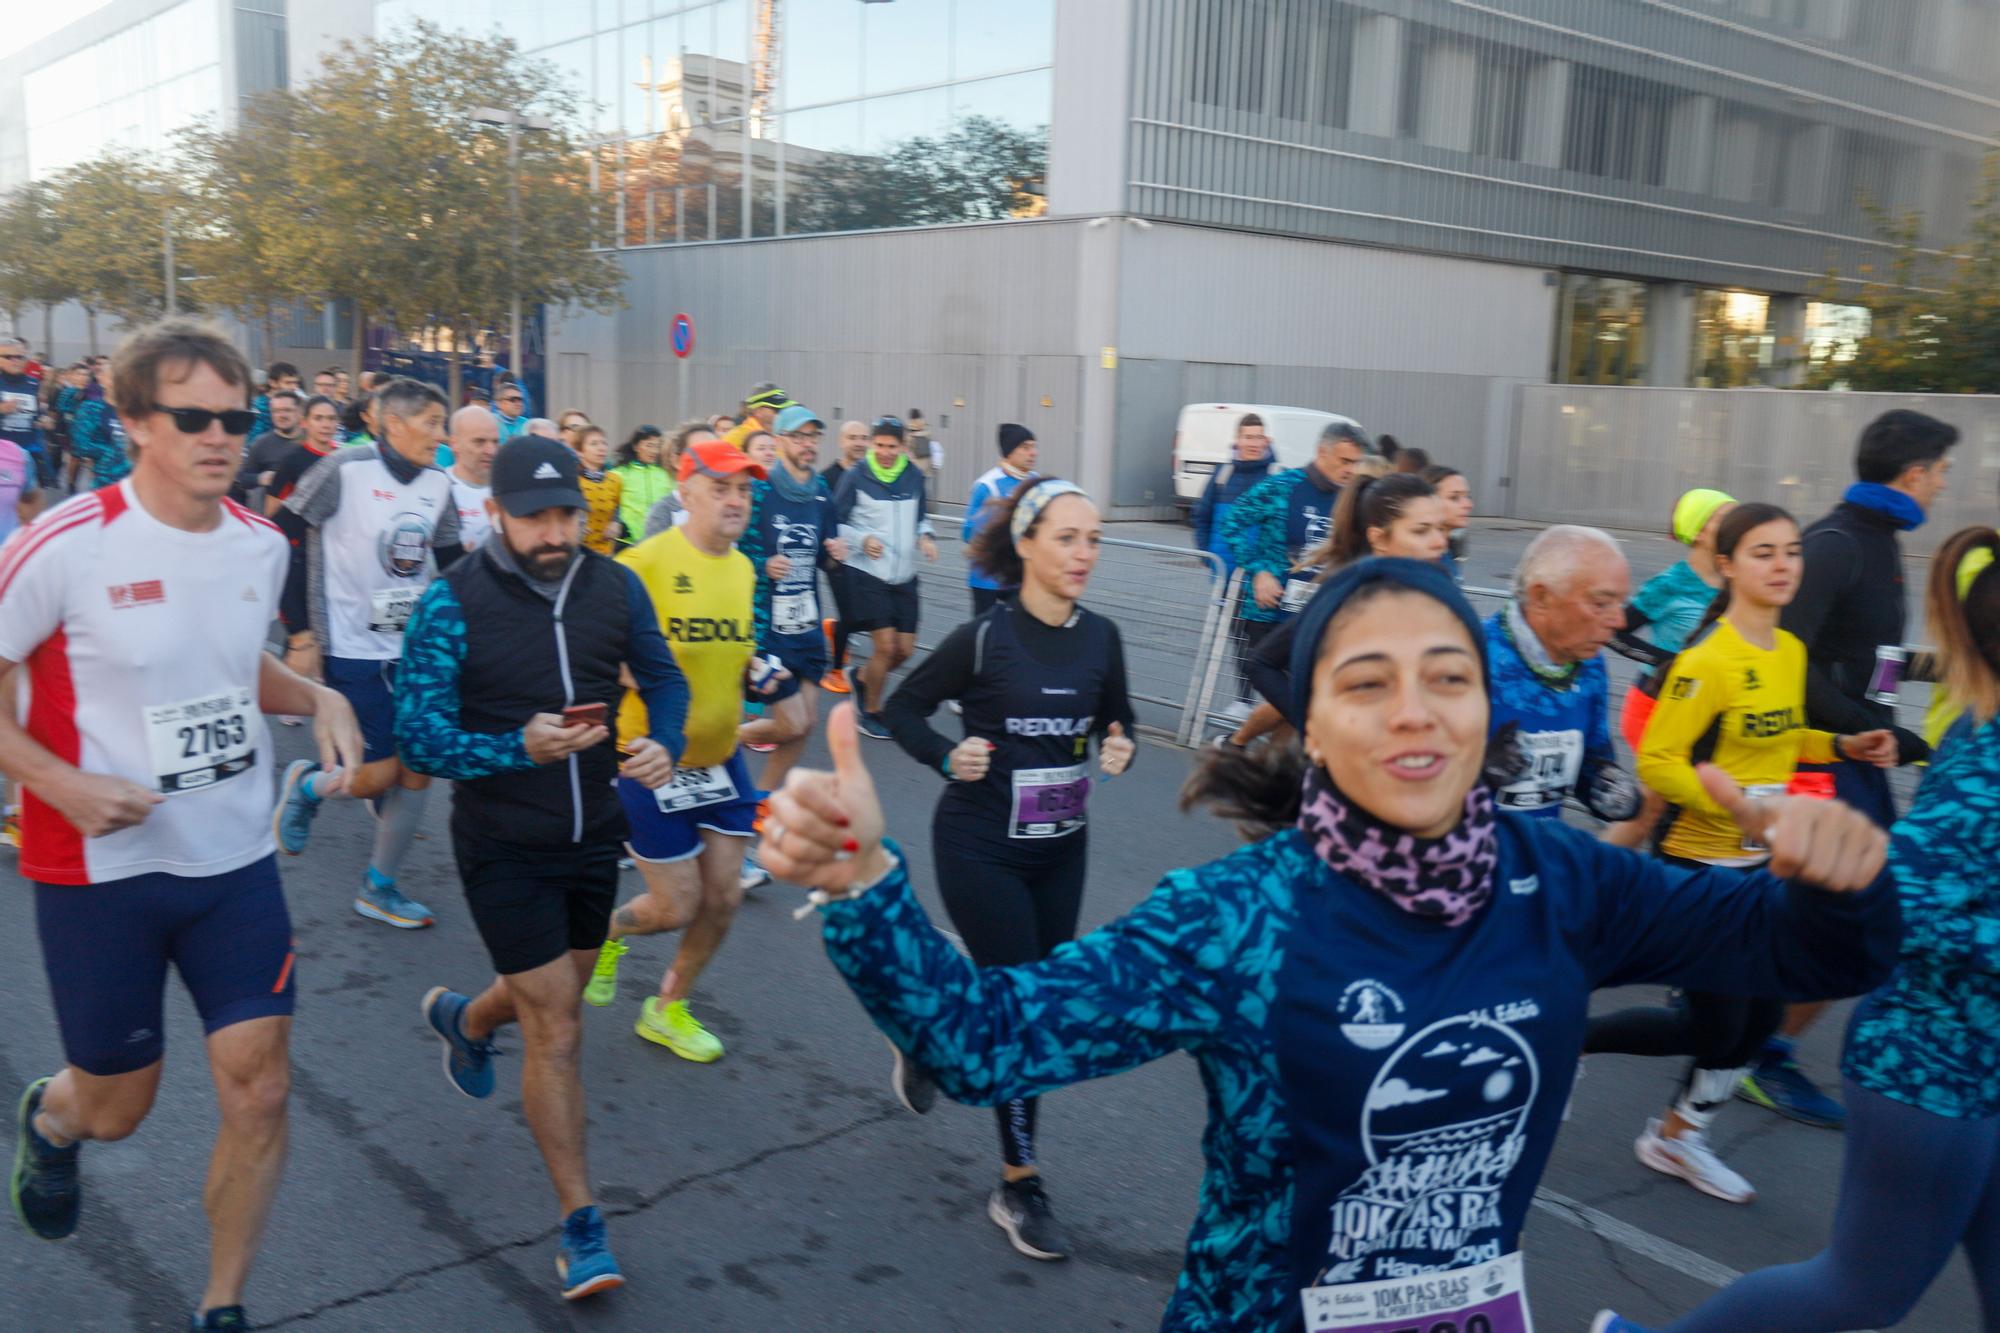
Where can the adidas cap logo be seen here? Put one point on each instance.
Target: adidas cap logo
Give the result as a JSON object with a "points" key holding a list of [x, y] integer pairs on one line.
{"points": [[547, 472]]}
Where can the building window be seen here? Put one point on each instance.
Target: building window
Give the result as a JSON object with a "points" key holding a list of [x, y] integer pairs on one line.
{"points": [[1867, 174], [1617, 126], [1833, 335], [1601, 331], [1732, 339], [1464, 94]]}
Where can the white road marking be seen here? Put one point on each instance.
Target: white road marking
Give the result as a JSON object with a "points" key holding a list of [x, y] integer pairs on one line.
{"points": [[1642, 1243]]}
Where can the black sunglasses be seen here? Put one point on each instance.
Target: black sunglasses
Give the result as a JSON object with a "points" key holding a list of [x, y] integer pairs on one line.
{"points": [[195, 420]]}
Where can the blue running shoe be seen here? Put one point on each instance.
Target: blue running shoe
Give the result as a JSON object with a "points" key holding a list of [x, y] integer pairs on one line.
{"points": [[584, 1262], [1778, 1084], [292, 821], [222, 1319], [1608, 1321], [467, 1063], [381, 900], [47, 1194], [872, 724]]}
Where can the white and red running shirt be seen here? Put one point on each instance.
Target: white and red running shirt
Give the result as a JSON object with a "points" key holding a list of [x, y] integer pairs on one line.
{"points": [[143, 645]]}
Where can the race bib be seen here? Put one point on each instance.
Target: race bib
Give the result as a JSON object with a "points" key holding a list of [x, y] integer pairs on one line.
{"points": [[390, 609], [1763, 791], [1485, 1298], [199, 742], [1553, 761], [696, 788], [17, 411], [794, 612], [1048, 802], [1297, 593]]}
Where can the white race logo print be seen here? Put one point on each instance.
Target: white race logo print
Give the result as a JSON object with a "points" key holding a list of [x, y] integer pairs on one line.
{"points": [[1369, 1013]]}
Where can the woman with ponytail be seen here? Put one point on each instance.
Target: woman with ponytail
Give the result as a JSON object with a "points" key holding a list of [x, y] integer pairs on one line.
{"points": [[1734, 698], [1922, 1067]]}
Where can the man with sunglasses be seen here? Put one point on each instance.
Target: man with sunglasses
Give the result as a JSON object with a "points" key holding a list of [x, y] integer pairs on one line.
{"points": [[791, 537], [21, 407], [510, 404], [882, 509], [139, 613], [370, 525]]}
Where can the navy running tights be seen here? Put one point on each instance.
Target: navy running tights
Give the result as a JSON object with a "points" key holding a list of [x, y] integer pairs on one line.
{"points": [[1913, 1187]]}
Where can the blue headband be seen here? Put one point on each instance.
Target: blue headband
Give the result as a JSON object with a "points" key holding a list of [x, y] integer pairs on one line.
{"points": [[1037, 499], [1417, 575]]}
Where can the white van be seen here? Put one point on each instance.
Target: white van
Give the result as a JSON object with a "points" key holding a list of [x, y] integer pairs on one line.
{"points": [[1205, 438]]}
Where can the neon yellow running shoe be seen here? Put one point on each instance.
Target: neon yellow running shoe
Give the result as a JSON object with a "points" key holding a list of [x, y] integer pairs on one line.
{"points": [[603, 987], [673, 1027]]}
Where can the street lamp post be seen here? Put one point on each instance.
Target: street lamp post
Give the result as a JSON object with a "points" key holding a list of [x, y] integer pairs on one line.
{"points": [[515, 122]]}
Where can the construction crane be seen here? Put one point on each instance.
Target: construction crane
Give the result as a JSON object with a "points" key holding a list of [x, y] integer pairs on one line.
{"points": [[765, 51]]}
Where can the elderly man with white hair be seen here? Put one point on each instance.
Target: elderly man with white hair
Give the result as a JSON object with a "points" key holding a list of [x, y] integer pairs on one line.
{"points": [[1549, 678]]}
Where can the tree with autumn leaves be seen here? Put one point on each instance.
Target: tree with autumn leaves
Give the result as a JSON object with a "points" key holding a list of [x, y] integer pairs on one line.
{"points": [[376, 183]]}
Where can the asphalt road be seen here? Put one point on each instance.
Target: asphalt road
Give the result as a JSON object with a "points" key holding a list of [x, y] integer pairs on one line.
{"points": [[783, 1186]]}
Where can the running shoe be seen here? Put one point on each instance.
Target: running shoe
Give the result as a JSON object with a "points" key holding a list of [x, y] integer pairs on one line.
{"points": [[752, 876], [913, 1087], [672, 1026], [47, 1193], [835, 681], [222, 1319], [292, 821], [381, 900], [603, 986], [1609, 1321], [955, 706], [584, 1262], [1690, 1158], [759, 747], [1021, 1209], [10, 827], [1778, 1084], [467, 1063], [872, 725]]}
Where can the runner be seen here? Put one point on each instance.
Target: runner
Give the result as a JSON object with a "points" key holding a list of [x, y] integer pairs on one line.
{"points": [[286, 413], [1734, 697], [689, 838], [1386, 998], [760, 411], [1249, 465], [475, 441], [321, 437], [513, 662], [1455, 493], [510, 407], [369, 527], [1549, 680], [853, 448], [1922, 1100], [140, 613], [790, 535], [1851, 614], [882, 509], [603, 491], [1038, 677], [21, 407], [100, 435], [1271, 525], [667, 511], [282, 377], [643, 481], [761, 447], [1018, 451]]}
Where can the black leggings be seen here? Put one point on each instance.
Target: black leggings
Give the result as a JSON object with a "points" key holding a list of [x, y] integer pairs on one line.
{"points": [[836, 582], [1009, 915], [1724, 1034]]}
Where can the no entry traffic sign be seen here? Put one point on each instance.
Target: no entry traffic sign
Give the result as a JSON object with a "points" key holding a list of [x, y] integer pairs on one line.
{"points": [[683, 334]]}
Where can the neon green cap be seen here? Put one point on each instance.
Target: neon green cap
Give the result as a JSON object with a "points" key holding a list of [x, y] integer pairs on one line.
{"points": [[1692, 512]]}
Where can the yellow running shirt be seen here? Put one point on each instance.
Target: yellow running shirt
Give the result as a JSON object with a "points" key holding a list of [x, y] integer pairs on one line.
{"points": [[1756, 702], [703, 603]]}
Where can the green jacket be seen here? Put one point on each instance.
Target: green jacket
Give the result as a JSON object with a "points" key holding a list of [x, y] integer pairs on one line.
{"points": [[646, 484]]}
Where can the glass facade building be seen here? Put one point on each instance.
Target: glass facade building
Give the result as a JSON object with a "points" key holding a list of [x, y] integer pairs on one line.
{"points": [[740, 119]]}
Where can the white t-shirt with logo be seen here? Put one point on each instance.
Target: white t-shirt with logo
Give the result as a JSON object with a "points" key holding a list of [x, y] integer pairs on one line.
{"points": [[368, 556], [143, 645], [473, 525]]}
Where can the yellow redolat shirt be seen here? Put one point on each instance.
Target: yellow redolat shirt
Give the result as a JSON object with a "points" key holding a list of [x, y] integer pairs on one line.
{"points": [[1754, 701], [703, 603]]}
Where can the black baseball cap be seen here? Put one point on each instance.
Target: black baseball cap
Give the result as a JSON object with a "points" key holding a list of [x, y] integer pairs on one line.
{"points": [[531, 474], [887, 426]]}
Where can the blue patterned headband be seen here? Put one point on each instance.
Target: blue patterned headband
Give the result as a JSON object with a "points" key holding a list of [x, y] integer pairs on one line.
{"points": [[1036, 500]]}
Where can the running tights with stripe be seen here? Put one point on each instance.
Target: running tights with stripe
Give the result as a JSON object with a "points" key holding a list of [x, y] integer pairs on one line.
{"points": [[1009, 915], [1913, 1187]]}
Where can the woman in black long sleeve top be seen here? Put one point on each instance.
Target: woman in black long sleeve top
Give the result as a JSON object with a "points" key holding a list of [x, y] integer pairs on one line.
{"points": [[1037, 677]]}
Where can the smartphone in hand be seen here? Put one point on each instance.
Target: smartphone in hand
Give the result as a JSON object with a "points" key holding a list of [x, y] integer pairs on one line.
{"points": [[586, 715]]}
